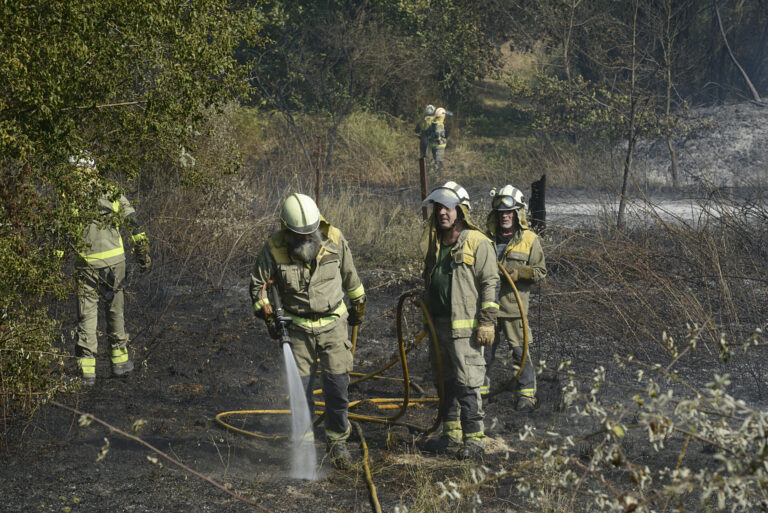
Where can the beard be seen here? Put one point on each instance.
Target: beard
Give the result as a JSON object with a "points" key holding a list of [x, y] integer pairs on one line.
{"points": [[305, 250]]}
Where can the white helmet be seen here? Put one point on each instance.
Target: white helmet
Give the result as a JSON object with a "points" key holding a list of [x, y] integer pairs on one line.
{"points": [[450, 195], [300, 214], [82, 160], [440, 112], [430, 110], [508, 198]]}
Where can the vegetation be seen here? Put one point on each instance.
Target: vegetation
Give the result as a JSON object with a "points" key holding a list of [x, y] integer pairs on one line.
{"points": [[209, 112]]}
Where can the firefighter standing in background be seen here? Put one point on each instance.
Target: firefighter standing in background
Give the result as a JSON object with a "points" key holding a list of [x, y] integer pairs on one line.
{"points": [[312, 266], [460, 278], [438, 138], [422, 129], [100, 268], [518, 249]]}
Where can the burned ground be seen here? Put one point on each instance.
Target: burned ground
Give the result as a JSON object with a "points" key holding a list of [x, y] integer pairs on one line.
{"points": [[200, 353]]}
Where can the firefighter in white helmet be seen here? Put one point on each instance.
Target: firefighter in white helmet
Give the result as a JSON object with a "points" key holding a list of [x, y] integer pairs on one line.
{"points": [[460, 279], [312, 266], [519, 250], [100, 269], [422, 130]]}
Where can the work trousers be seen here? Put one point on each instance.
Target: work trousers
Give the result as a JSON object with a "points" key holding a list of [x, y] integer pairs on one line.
{"points": [[463, 367], [437, 155], [330, 344], [423, 145], [95, 285], [512, 327]]}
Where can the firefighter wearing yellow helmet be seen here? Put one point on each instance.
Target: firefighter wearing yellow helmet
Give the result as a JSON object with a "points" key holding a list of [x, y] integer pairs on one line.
{"points": [[460, 279], [100, 267], [422, 130], [519, 250], [311, 264]]}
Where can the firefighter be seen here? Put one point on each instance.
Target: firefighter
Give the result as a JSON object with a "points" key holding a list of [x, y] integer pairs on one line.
{"points": [[311, 264], [518, 249], [460, 279], [438, 138], [100, 268], [422, 129]]}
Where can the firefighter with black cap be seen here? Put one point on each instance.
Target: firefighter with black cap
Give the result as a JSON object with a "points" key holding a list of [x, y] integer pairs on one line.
{"points": [[311, 264], [519, 250], [460, 278]]}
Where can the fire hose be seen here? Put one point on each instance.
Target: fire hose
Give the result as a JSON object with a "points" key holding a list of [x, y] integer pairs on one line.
{"points": [[387, 402]]}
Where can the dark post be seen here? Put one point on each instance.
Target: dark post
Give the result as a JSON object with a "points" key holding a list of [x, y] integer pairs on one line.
{"points": [[317, 171], [423, 177], [538, 208]]}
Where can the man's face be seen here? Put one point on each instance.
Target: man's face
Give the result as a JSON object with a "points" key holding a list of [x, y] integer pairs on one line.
{"points": [[304, 247], [507, 219], [446, 217]]}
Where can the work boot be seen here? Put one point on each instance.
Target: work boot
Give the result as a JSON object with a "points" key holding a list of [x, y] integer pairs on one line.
{"points": [[444, 444], [338, 452], [472, 450], [526, 404], [122, 369]]}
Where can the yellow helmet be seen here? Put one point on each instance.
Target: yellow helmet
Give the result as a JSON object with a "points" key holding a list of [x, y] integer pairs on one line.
{"points": [[300, 214]]}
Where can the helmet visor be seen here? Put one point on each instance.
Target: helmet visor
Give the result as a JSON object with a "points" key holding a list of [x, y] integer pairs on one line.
{"points": [[506, 203], [444, 196]]}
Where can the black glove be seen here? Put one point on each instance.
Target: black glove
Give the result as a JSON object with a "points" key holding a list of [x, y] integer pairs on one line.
{"points": [[141, 252], [272, 328], [357, 311]]}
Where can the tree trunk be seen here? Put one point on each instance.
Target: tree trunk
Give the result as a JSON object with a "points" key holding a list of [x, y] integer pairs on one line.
{"points": [[755, 94], [631, 136]]}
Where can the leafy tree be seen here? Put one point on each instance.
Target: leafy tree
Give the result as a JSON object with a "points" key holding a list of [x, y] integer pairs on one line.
{"points": [[125, 80]]}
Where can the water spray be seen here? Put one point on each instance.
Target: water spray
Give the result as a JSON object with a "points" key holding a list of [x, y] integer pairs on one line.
{"points": [[303, 455]]}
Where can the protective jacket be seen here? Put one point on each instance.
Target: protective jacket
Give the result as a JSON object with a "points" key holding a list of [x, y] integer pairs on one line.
{"points": [[437, 135], [523, 250], [103, 245], [422, 127], [474, 279], [312, 295]]}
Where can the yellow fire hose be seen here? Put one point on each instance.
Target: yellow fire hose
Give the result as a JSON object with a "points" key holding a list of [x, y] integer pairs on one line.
{"points": [[404, 401], [387, 403]]}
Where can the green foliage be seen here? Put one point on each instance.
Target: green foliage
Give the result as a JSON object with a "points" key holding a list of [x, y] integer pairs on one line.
{"points": [[129, 82], [582, 107]]}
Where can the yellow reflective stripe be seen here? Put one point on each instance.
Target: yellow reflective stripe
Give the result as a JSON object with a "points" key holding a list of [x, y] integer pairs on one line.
{"points": [[104, 254], [335, 435], [319, 323], [87, 366], [354, 294], [258, 305], [475, 436], [140, 237], [527, 392], [463, 323], [116, 205], [488, 304], [119, 355], [452, 428]]}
